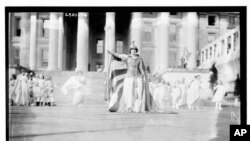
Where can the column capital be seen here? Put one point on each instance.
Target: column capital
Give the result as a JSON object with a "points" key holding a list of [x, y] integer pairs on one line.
{"points": [[83, 15], [60, 14], [164, 18], [33, 13], [192, 19], [137, 14], [110, 13]]}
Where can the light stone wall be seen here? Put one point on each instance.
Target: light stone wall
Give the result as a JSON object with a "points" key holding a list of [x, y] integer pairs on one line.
{"points": [[149, 50]]}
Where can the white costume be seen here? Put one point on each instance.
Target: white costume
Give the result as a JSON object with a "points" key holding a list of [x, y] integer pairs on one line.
{"points": [[176, 96], [159, 96], [79, 86], [11, 87], [21, 90], [183, 94], [35, 87], [193, 93], [41, 90], [49, 89], [168, 99], [219, 94]]}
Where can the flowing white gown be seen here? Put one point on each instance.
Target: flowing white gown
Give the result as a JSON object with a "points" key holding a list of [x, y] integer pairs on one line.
{"points": [[79, 86], [11, 87], [21, 91], [219, 94], [176, 96], [160, 94], [193, 93], [35, 88]]}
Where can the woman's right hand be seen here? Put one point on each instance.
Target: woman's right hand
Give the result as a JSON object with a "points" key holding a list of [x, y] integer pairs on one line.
{"points": [[110, 52]]}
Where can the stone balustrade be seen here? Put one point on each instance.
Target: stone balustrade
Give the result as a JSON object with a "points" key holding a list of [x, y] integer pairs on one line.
{"points": [[222, 50]]}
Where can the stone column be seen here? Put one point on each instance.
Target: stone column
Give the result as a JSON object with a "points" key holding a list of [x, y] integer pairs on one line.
{"points": [[109, 37], [213, 53], [82, 56], [136, 27], [164, 41], [219, 49], [10, 33], [202, 57], [39, 27], [33, 37], [225, 46], [53, 42], [232, 43], [25, 39], [192, 38], [60, 41]]}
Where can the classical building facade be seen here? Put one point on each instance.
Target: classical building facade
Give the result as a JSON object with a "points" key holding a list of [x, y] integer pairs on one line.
{"points": [[79, 41]]}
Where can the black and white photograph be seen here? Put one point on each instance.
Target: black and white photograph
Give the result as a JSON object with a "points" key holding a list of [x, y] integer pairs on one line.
{"points": [[124, 73]]}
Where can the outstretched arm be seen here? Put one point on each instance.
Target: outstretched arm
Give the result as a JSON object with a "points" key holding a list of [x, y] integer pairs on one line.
{"points": [[121, 56]]}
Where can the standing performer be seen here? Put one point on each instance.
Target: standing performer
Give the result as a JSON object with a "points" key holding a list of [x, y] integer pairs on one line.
{"points": [[21, 90], [79, 86], [219, 95], [176, 95], [12, 82], [30, 88], [194, 93], [135, 95], [183, 93], [41, 92], [36, 89]]}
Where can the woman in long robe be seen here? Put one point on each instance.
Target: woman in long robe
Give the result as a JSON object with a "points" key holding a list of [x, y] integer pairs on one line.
{"points": [[41, 90], [194, 93], [21, 90], [35, 89], [176, 95], [219, 95], [11, 87], [183, 93], [79, 86], [134, 89]]}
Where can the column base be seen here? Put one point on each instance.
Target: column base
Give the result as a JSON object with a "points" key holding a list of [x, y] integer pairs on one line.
{"points": [[52, 68], [81, 69]]}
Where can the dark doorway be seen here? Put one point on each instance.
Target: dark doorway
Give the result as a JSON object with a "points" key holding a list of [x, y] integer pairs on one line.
{"points": [[70, 30], [122, 23], [96, 40]]}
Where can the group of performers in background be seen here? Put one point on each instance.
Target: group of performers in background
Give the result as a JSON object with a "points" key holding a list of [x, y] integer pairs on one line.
{"points": [[130, 88], [28, 89], [144, 92]]}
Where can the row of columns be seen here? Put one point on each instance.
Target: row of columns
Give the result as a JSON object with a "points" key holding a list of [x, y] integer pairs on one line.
{"points": [[56, 37], [188, 40], [56, 34]]}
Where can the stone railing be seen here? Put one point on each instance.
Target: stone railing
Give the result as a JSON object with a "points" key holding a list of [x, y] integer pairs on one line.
{"points": [[222, 50]]}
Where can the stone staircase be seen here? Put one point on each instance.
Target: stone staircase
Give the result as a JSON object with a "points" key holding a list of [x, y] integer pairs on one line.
{"points": [[98, 86], [97, 83], [172, 75], [225, 53]]}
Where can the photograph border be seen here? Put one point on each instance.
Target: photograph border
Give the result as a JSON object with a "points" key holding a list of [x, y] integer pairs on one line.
{"points": [[243, 36]]}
